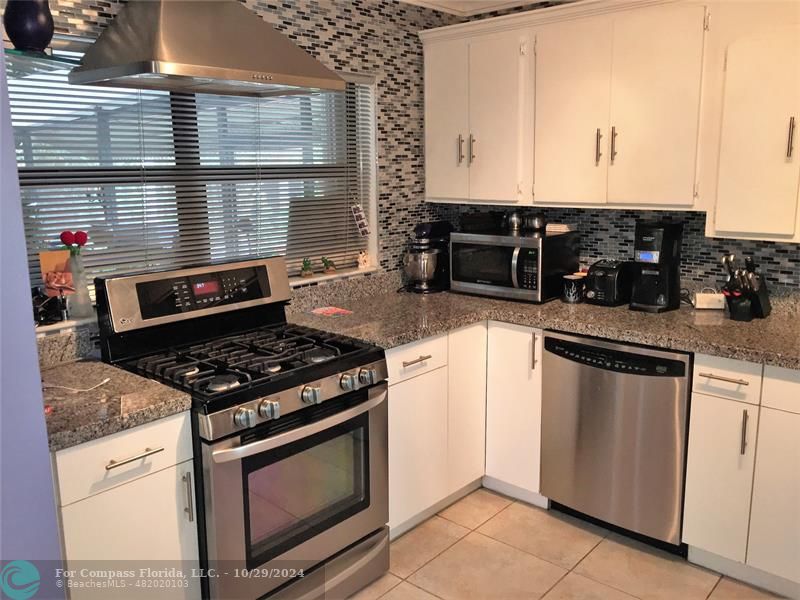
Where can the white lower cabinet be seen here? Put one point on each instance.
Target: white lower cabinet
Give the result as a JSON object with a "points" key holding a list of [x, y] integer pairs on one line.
{"points": [[719, 475], [466, 406], [417, 445], [144, 522], [514, 405], [774, 544]]}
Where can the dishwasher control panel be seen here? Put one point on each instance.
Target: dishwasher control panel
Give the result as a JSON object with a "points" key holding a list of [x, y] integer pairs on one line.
{"points": [[615, 360]]}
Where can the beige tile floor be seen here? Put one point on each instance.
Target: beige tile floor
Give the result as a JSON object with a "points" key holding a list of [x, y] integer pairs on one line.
{"points": [[486, 546]]}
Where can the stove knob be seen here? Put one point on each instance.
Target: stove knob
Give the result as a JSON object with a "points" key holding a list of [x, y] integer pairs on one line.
{"points": [[245, 417], [347, 382], [269, 409], [367, 376], [311, 395]]}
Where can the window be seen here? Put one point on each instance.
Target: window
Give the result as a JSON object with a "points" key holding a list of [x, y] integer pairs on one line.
{"points": [[162, 180]]}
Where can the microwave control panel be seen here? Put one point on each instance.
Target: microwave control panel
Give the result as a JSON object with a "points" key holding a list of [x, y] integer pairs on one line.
{"points": [[528, 268]]}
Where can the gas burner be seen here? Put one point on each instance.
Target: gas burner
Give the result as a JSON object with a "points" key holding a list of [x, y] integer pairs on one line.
{"points": [[318, 355], [223, 383]]}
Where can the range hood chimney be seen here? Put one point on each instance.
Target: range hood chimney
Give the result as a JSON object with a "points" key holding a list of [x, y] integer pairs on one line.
{"points": [[200, 46]]}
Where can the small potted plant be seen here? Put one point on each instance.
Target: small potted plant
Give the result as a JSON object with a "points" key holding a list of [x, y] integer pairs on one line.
{"points": [[306, 270], [328, 265]]}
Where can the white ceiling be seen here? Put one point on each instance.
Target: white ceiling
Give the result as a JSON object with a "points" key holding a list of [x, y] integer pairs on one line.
{"points": [[466, 8]]}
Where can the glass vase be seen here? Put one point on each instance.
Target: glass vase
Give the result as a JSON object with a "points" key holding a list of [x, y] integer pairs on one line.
{"points": [[79, 303]]}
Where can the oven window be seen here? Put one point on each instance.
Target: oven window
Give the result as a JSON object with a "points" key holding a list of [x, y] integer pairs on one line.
{"points": [[478, 263], [296, 491]]}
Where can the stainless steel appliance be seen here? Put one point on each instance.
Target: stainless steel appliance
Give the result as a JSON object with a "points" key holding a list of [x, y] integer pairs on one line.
{"points": [[657, 253], [614, 431], [200, 46], [609, 282], [426, 264], [289, 424], [522, 266]]}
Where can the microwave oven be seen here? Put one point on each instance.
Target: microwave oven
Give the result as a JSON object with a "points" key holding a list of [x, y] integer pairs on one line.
{"points": [[524, 266]]}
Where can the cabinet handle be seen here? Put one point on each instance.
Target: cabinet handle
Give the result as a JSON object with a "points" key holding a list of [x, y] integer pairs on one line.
{"points": [[416, 360], [113, 464], [460, 148], [725, 379], [189, 510], [597, 153], [790, 143], [472, 142], [613, 144], [744, 432], [533, 350]]}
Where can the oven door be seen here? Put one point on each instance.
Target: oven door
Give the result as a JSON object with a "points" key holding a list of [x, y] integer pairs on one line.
{"points": [[292, 498]]}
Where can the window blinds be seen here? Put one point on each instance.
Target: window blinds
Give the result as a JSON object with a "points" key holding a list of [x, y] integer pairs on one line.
{"points": [[162, 180]]}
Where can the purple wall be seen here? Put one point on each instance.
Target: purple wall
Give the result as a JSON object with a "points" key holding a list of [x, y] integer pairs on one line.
{"points": [[28, 527]]}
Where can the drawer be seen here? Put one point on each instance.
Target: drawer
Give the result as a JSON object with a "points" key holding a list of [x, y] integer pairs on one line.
{"points": [[416, 358], [781, 389], [727, 378], [82, 470]]}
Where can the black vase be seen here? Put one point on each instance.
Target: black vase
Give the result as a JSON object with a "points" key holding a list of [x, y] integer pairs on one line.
{"points": [[29, 24]]}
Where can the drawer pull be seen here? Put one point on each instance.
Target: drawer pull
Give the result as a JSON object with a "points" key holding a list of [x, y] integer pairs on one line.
{"points": [[743, 446], [725, 379], [113, 464], [408, 363], [189, 510]]}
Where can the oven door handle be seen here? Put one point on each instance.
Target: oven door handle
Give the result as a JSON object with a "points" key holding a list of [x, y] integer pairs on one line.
{"points": [[514, 265], [376, 396]]}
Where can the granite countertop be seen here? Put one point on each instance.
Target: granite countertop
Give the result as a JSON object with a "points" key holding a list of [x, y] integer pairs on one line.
{"points": [[125, 401], [393, 319]]}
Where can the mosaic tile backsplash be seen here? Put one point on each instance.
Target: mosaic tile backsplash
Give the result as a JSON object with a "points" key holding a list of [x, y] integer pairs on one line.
{"points": [[379, 37], [607, 233]]}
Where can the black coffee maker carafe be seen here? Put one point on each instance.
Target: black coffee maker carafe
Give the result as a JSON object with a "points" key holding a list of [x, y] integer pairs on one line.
{"points": [[657, 274]]}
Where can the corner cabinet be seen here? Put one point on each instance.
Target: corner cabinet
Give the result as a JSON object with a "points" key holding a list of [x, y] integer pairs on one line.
{"points": [[479, 119]]}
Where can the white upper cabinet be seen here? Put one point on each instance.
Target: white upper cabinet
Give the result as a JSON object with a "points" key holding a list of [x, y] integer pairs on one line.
{"points": [[655, 105], [446, 120], [479, 119], [573, 70], [759, 168], [500, 148]]}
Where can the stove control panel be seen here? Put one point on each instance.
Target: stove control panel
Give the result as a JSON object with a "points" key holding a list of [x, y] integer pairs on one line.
{"points": [[176, 295]]}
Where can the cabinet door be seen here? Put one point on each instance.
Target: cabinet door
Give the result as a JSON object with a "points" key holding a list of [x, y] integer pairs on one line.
{"points": [[573, 75], [417, 445], [466, 406], [501, 118], [775, 519], [446, 120], [514, 405], [145, 521], [758, 173], [655, 105], [719, 475]]}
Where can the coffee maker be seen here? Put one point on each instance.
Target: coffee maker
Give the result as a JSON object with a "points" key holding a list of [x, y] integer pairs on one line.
{"points": [[657, 270], [427, 262]]}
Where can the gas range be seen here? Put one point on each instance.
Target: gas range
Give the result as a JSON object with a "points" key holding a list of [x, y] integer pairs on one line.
{"points": [[241, 380], [289, 424]]}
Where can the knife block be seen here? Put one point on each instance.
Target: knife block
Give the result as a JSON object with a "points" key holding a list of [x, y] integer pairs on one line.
{"points": [[740, 308]]}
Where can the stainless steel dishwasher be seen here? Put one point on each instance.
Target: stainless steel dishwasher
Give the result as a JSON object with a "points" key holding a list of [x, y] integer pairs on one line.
{"points": [[614, 430]]}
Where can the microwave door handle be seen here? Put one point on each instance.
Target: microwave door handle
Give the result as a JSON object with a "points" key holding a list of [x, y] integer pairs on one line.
{"points": [[514, 261], [376, 396]]}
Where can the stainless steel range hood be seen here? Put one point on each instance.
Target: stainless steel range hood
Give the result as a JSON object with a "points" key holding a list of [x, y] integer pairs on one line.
{"points": [[200, 46]]}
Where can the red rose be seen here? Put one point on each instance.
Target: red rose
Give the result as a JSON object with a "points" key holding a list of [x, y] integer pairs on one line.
{"points": [[81, 237], [67, 238]]}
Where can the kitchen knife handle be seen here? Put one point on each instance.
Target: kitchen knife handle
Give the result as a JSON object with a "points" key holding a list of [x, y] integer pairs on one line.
{"points": [[790, 142], [597, 153], [725, 379], [743, 445], [613, 143], [460, 148]]}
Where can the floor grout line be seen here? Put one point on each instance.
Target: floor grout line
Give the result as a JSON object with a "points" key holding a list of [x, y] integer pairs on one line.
{"points": [[715, 586], [438, 553]]}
